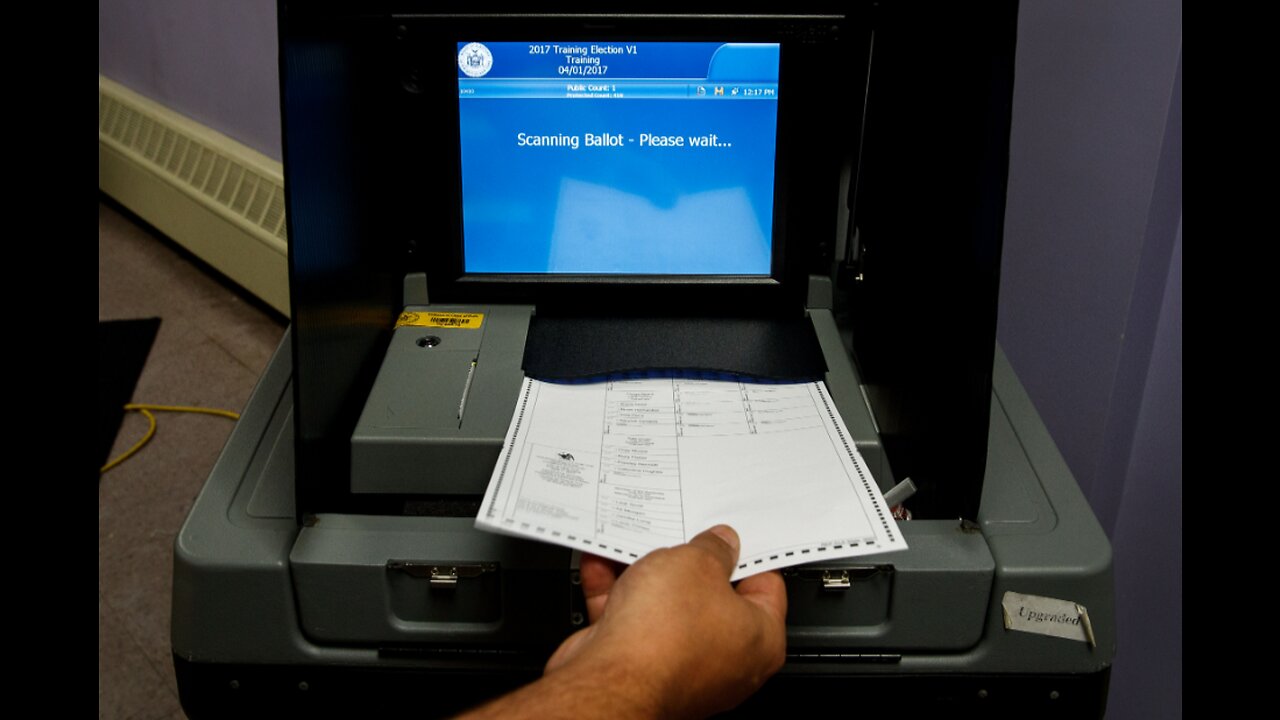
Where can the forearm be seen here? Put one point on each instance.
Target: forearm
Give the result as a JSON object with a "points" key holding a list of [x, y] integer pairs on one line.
{"points": [[669, 638], [607, 690]]}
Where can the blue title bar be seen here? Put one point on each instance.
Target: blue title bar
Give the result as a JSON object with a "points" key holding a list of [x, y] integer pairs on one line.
{"points": [[717, 62]]}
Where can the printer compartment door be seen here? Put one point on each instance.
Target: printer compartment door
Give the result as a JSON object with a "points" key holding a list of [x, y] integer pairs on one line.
{"points": [[429, 581], [931, 598]]}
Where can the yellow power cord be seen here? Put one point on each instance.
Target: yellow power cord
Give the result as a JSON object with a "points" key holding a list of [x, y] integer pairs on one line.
{"points": [[146, 411]]}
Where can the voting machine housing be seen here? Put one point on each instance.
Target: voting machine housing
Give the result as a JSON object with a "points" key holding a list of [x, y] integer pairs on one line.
{"points": [[331, 561]]}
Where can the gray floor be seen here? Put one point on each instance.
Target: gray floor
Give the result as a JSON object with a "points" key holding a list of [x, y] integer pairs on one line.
{"points": [[212, 345]]}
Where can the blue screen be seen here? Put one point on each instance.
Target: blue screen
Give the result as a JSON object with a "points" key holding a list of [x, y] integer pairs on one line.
{"points": [[618, 158]]}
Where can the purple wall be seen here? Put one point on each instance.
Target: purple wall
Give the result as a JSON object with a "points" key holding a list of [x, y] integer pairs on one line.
{"points": [[1091, 100], [214, 62], [1091, 297], [1147, 678]]}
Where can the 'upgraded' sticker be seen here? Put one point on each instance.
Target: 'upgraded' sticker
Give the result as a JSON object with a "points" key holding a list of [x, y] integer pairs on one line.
{"points": [[1047, 616]]}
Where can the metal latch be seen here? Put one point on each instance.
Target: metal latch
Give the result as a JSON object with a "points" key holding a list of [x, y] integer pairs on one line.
{"points": [[835, 579], [444, 577], [441, 575]]}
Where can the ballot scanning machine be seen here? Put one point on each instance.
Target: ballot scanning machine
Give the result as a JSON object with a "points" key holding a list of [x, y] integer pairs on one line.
{"points": [[572, 193]]}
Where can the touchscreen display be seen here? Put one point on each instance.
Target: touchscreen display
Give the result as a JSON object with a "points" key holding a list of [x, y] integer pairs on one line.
{"points": [[618, 158]]}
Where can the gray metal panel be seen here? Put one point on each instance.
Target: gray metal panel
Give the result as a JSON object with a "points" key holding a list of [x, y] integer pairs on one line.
{"points": [[409, 438], [232, 597], [1064, 555], [277, 499]]}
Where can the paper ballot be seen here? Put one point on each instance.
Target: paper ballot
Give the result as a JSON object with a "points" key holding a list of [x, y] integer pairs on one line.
{"points": [[622, 467]]}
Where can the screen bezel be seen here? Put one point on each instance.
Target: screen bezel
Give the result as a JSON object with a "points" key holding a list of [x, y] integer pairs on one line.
{"points": [[782, 291]]}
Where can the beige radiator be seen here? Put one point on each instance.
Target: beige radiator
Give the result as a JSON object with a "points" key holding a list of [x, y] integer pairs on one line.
{"points": [[214, 196]]}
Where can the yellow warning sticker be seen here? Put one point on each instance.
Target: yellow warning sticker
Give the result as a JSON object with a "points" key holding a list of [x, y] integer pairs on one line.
{"points": [[465, 321]]}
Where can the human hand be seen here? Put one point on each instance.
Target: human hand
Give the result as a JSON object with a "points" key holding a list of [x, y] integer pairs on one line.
{"points": [[671, 636]]}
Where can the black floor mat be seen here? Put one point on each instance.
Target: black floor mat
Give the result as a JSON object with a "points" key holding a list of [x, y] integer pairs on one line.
{"points": [[123, 346]]}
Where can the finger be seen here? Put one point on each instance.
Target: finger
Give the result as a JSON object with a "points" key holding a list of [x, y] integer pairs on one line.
{"points": [[598, 576], [722, 542], [768, 592]]}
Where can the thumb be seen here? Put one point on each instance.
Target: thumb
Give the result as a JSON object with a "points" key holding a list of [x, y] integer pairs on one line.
{"points": [[722, 542]]}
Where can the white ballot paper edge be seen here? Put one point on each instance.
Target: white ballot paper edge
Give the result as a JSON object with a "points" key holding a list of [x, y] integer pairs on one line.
{"points": [[622, 467]]}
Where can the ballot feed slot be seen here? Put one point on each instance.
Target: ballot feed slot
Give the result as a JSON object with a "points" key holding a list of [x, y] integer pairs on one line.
{"points": [[576, 348], [438, 412]]}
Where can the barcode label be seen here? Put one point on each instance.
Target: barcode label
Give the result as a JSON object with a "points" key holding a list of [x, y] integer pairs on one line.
{"points": [[467, 321]]}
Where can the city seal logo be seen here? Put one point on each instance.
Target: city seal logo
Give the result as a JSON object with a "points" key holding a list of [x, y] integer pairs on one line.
{"points": [[475, 60]]}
